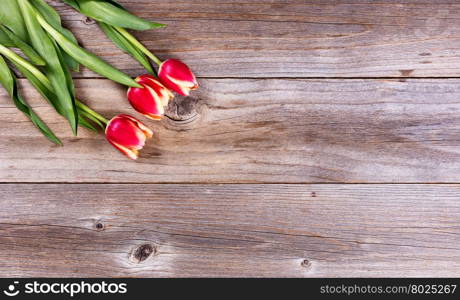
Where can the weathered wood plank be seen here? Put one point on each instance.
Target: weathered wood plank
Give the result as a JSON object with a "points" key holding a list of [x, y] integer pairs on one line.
{"points": [[236, 131], [244, 38], [229, 230]]}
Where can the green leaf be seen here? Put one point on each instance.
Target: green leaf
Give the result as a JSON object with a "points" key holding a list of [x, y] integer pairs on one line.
{"points": [[5, 40], [49, 13], [54, 69], [86, 58], [15, 58], [72, 3], [71, 63], [53, 18], [110, 13], [114, 3], [68, 76], [10, 16], [43, 86], [85, 123], [8, 81], [88, 117], [126, 46], [129, 37], [6, 77], [34, 57]]}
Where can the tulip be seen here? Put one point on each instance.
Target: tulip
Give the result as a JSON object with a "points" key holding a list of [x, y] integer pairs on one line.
{"points": [[127, 134], [151, 99], [177, 76]]}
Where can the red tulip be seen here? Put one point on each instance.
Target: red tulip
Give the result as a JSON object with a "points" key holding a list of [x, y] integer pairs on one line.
{"points": [[127, 134], [176, 76], [150, 100]]}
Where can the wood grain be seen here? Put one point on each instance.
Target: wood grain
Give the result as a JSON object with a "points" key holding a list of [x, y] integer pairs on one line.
{"points": [[292, 38], [294, 92], [229, 230], [246, 131]]}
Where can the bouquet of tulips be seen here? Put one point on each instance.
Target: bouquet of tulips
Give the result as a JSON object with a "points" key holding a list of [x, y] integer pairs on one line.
{"points": [[50, 53]]}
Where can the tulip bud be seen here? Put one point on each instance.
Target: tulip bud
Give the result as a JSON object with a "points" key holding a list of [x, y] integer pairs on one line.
{"points": [[177, 76], [150, 100], [127, 134]]}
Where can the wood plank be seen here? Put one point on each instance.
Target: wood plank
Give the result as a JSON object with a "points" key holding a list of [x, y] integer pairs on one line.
{"points": [[292, 38], [249, 131], [229, 230]]}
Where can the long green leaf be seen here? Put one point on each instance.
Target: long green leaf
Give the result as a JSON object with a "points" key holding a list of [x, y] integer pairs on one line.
{"points": [[71, 63], [54, 19], [86, 58], [35, 76], [54, 69], [68, 75], [129, 37], [93, 120], [15, 58], [109, 13], [43, 86], [72, 3], [8, 81], [10, 16], [5, 40], [34, 57], [126, 46], [85, 123]]}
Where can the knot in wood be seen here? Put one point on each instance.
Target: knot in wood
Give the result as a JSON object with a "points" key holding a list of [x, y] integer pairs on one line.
{"points": [[183, 111], [142, 253]]}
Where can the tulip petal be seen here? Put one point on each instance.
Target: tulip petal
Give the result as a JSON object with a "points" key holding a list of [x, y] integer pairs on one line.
{"points": [[165, 93], [128, 135], [184, 86], [177, 76], [131, 153], [151, 99], [147, 131], [146, 101]]}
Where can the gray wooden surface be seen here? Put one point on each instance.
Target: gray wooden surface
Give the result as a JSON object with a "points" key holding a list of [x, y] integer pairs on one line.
{"points": [[294, 38], [255, 130], [230, 230], [324, 141]]}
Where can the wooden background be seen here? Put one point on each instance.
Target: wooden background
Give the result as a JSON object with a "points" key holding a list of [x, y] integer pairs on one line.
{"points": [[324, 141]]}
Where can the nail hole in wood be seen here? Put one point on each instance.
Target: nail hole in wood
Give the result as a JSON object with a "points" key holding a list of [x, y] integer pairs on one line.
{"points": [[88, 21], [306, 264], [99, 226]]}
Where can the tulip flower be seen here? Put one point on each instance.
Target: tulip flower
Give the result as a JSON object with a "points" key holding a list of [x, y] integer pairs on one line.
{"points": [[177, 76], [127, 134], [151, 99]]}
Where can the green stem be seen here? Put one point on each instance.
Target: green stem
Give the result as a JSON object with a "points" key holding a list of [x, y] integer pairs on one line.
{"points": [[11, 55], [85, 108], [138, 44]]}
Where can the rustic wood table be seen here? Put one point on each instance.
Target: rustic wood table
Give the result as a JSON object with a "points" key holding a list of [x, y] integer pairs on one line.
{"points": [[324, 141]]}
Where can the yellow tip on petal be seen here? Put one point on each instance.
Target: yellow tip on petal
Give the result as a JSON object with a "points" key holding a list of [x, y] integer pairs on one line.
{"points": [[131, 153], [154, 117]]}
